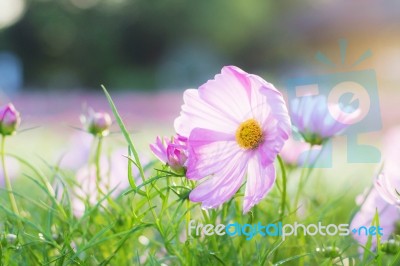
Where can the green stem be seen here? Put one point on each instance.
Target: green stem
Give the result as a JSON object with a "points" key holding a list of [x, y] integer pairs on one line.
{"points": [[284, 182], [97, 165], [187, 230], [13, 202], [50, 189], [187, 219], [303, 177], [137, 159], [207, 220], [97, 159]]}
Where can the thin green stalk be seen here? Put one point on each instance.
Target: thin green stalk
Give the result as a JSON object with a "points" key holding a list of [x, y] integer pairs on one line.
{"points": [[207, 220], [284, 184], [97, 163], [135, 155], [97, 158], [48, 186], [303, 177], [138, 164], [187, 229], [187, 218], [187, 215], [13, 202]]}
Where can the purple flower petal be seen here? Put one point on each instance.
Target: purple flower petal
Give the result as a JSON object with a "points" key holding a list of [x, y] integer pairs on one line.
{"points": [[259, 182], [222, 185]]}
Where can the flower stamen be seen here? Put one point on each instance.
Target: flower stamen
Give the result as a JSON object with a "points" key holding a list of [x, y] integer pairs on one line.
{"points": [[249, 134]]}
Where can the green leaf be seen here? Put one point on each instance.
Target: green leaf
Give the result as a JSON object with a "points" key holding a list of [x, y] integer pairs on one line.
{"points": [[151, 180], [130, 176], [124, 132]]}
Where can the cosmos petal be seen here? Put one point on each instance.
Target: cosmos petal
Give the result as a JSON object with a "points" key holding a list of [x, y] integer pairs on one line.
{"points": [[222, 185], [259, 182], [160, 149], [229, 93], [209, 151], [196, 113]]}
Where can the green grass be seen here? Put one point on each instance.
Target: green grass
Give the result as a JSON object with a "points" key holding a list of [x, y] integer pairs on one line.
{"points": [[147, 223]]}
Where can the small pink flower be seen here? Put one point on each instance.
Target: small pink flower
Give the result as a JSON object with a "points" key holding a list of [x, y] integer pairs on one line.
{"points": [[316, 120], [295, 153], [236, 124], [97, 123], [388, 182], [389, 215], [9, 119], [172, 152]]}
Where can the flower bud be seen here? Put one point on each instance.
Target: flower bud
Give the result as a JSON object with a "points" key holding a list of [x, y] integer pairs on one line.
{"points": [[391, 247], [329, 252], [9, 120], [172, 152], [177, 156], [11, 239], [97, 123]]}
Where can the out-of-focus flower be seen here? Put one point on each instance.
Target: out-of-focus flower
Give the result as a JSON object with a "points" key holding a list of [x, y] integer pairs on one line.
{"points": [[11, 239], [78, 151], [236, 123], [383, 195], [13, 169], [387, 190], [388, 182], [313, 119], [295, 153], [9, 119], [389, 215], [114, 177], [97, 123], [171, 151]]}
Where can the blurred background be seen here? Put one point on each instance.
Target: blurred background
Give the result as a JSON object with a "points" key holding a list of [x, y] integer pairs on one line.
{"points": [[157, 45], [54, 54]]}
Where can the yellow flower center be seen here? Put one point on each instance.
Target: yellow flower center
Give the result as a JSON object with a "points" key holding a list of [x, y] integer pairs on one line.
{"points": [[249, 134]]}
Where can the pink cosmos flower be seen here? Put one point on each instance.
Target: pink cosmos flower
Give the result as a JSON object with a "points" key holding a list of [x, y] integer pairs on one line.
{"points": [[9, 119], [236, 124], [389, 215], [316, 120], [383, 196], [172, 152]]}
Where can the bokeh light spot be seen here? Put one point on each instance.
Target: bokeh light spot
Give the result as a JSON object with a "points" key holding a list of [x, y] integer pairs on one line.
{"points": [[10, 12]]}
